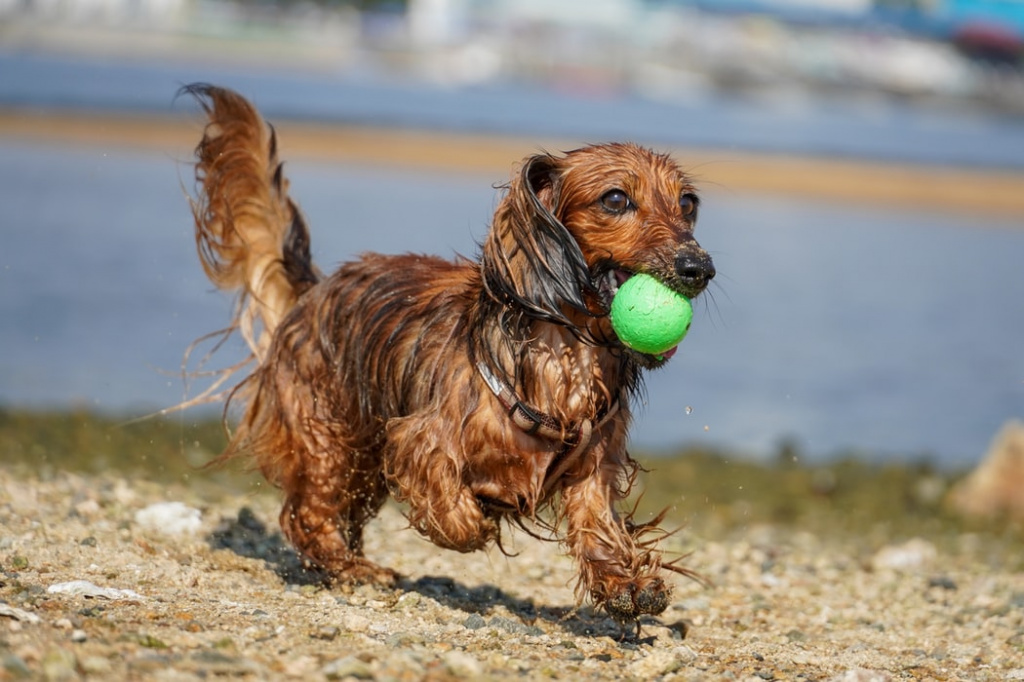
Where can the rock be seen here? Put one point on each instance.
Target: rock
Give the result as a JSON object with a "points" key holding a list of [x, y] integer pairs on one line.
{"points": [[662, 662], [59, 664], [993, 489], [218, 665], [148, 665], [18, 614], [328, 633], [404, 639], [474, 622], [98, 666], [302, 667], [354, 622], [170, 518], [512, 627], [943, 582], [409, 600], [461, 664], [14, 667], [911, 555], [350, 666], [84, 588]]}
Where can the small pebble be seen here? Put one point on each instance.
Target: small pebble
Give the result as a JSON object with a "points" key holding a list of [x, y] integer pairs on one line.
{"points": [[942, 582], [911, 555], [58, 665], [350, 666], [85, 588], [354, 622], [99, 666], [170, 518], [327, 633], [461, 664], [14, 667], [404, 639], [474, 622], [662, 662], [409, 600]]}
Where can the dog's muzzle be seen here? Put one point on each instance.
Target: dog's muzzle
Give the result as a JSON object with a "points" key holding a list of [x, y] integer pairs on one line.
{"points": [[694, 271]]}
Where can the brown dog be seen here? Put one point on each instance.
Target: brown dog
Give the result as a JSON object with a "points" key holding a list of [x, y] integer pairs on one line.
{"points": [[474, 391]]}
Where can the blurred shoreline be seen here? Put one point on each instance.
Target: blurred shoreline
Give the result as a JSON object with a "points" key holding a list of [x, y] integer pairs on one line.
{"points": [[990, 192]]}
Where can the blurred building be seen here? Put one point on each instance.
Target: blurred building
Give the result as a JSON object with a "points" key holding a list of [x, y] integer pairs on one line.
{"points": [[967, 51], [96, 11]]}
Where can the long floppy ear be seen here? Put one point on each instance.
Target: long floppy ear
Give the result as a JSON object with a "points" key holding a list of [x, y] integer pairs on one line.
{"points": [[529, 259]]}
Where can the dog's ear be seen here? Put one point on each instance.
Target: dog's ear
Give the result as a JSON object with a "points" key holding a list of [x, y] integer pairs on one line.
{"points": [[529, 258]]}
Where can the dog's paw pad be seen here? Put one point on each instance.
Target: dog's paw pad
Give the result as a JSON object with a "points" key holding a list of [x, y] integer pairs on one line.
{"points": [[633, 601], [653, 599]]}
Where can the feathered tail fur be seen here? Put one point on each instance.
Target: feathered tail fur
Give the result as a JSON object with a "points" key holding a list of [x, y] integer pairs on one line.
{"points": [[251, 236]]}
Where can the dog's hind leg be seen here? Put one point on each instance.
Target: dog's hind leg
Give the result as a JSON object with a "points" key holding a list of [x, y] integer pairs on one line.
{"points": [[327, 505], [422, 472]]}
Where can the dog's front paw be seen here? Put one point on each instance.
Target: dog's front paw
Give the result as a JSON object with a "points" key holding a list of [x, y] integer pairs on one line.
{"points": [[635, 600], [360, 571]]}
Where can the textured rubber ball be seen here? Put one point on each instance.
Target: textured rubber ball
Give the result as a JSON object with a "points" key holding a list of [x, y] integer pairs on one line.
{"points": [[649, 317]]}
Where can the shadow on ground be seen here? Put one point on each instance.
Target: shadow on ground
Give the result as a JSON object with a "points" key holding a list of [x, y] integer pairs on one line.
{"points": [[249, 537]]}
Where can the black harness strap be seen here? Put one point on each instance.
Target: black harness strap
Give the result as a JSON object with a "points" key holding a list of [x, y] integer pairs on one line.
{"points": [[536, 423]]}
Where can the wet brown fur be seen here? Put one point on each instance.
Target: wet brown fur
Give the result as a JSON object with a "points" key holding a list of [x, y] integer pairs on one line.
{"points": [[366, 380]]}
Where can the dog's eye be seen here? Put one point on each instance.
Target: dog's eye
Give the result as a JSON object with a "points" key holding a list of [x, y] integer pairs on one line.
{"points": [[688, 204], [616, 201]]}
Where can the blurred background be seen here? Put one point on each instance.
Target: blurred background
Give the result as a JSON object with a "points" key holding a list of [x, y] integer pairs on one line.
{"points": [[861, 164]]}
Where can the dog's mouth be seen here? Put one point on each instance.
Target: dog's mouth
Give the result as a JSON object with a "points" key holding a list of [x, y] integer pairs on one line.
{"points": [[608, 284]]}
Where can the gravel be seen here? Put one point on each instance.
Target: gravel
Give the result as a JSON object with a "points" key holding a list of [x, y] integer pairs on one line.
{"points": [[225, 598]]}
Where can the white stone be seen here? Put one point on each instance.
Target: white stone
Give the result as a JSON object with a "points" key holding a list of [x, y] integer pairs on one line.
{"points": [[170, 518]]}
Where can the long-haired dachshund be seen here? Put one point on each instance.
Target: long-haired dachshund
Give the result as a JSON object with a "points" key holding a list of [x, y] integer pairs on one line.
{"points": [[475, 392]]}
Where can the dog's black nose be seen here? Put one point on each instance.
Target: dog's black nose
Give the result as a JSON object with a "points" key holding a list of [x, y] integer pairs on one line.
{"points": [[695, 270]]}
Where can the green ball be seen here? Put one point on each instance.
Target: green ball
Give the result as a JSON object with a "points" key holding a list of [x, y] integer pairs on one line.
{"points": [[649, 317]]}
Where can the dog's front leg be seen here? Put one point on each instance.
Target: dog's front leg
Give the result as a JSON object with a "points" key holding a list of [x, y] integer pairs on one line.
{"points": [[616, 571]]}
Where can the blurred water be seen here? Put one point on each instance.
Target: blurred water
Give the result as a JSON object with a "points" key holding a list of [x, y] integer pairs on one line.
{"points": [[845, 326]]}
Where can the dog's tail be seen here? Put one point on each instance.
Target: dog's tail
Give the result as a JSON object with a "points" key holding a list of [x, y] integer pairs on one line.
{"points": [[252, 238]]}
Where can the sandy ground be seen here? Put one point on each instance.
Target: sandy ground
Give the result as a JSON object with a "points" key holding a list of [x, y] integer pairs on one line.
{"points": [[211, 592], [978, 192]]}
